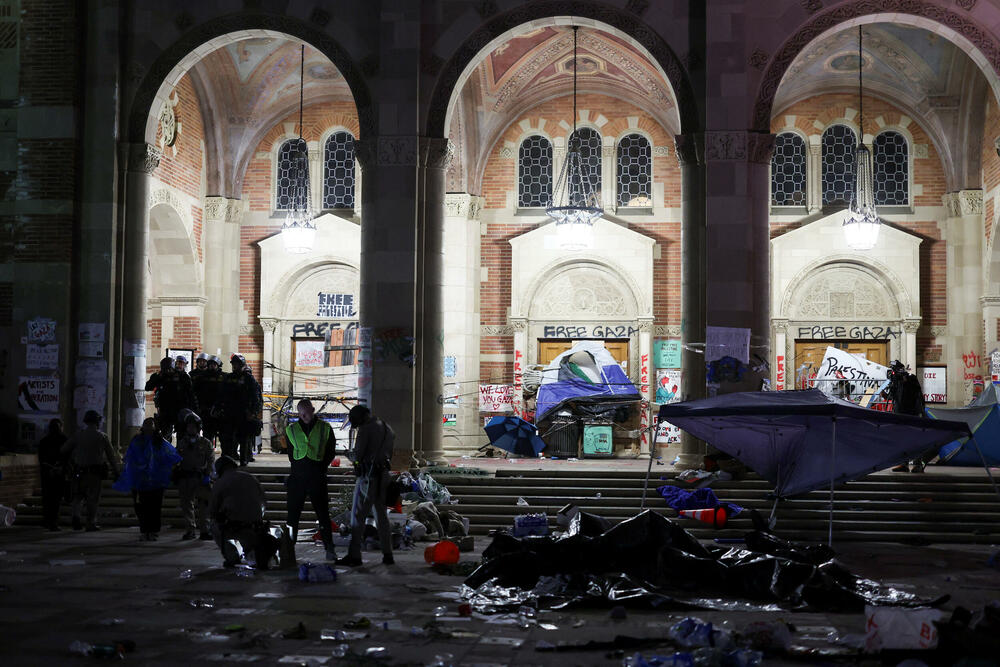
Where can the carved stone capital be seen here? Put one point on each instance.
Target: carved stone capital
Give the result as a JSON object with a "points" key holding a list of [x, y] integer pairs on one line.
{"points": [[268, 324], [667, 330], [911, 325], [496, 330], [141, 158], [223, 209], [760, 146], [462, 205], [365, 151], [950, 201], [645, 326], [435, 153], [397, 151], [970, 202], [690, 148], [519, 324]]}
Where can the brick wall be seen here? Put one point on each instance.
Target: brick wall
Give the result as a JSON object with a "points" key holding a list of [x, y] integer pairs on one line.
{"points": [[187, 333], [317, 119], [500, 183], [815, 114]]}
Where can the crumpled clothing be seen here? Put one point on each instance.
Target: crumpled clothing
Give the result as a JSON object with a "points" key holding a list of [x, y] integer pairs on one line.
{"points": [[424, 488], [696, 499]]}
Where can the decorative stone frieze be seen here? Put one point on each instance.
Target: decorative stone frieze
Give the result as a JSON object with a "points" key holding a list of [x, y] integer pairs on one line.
{"points": [[397, 151], [223, 209], [667, 330], [725, 145], [435, 152], [496, 330], [970, 202], [141, 158], [911, 325], [462, 205], [661, 151]]}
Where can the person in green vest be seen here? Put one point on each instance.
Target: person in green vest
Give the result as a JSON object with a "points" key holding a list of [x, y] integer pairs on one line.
{"points": [[310, 445]]}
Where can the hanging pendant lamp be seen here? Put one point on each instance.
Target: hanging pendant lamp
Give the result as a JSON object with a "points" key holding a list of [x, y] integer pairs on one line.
{"points": [[298, 232], [575, 205], [862, 225]]}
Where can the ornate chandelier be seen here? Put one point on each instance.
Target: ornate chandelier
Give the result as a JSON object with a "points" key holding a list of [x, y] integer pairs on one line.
{"points": [[861, 226], [575, 205], [299, 231]]}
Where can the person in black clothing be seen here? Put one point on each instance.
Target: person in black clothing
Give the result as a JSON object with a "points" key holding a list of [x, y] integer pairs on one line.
{"points": [[173, 393], [239, 411], [207, 380], [908, 399], [52, 469], [311, 446]]}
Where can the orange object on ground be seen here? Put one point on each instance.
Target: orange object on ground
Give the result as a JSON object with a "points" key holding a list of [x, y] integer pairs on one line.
{"points": [[444, 552], [398, 507], [715, 517]]}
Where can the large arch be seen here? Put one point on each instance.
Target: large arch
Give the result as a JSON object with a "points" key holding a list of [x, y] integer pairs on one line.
{"points": [[977, 42], [178, 58], [498, 28]]}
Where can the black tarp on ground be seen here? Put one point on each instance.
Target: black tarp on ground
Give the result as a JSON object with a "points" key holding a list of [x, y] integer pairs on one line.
{"points": [[650, 560]]}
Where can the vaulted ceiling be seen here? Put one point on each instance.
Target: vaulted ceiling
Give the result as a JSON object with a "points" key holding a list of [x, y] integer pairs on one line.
{"points": [[922, 73]]}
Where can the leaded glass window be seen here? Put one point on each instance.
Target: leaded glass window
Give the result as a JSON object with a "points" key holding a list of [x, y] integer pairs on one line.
{"points": [[839, 142], [590, 165], [788, 171], [290, 151], [635, 157], [892, 169], [338, 171], [534, 172]]}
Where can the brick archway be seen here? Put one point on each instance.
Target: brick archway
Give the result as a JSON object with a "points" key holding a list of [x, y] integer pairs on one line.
{"points": [[977, 42], [175, 55], [627, 23]]}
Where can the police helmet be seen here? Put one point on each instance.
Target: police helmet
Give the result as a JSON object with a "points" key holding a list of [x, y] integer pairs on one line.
{"points": [[202, 356], [92, 417]]}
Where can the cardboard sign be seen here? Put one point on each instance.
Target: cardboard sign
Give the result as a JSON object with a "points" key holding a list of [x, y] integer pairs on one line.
{"points": [[668, 386], [667, 353], [309, 353], [91, 332], [496, 398], [38, 394], [934, 381]]}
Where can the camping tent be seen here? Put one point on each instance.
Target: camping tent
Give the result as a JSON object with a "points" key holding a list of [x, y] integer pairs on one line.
{"points": [[803, 440], [585, 373], [983, 418]]}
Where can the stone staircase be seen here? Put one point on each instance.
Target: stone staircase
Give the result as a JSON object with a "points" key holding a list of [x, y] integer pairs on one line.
{"points": [[930, 508]]}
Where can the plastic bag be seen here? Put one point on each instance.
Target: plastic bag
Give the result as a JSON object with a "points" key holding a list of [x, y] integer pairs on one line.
{"points": [[895, 628]]}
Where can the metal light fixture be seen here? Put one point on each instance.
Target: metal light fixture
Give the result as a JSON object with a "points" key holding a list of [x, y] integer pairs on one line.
{"points": [[574, 205], [861, 226], [299, 231]]}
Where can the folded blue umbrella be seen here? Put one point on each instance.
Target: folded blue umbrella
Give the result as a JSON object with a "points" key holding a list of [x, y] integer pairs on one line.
{"points": [[514, 435]]}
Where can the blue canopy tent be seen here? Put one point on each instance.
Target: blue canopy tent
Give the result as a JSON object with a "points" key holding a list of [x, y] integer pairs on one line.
{"points": [[983, 418], [585, 373], [801, 441]]}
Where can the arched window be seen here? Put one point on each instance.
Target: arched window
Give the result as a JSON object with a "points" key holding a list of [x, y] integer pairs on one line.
{"points": [[892, 169], [290, 151], [590, 163], [635, 160], [338, 171], [788, 170], [839, 142], [534, 172]]}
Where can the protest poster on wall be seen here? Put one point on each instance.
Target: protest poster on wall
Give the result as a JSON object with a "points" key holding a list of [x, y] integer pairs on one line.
{"points": [[667, 353], [41, 330], [727, 342], [496, 398], [38, 394], [934, 382], [336, 306], [42, 356], [310, 353], [91, 332]]}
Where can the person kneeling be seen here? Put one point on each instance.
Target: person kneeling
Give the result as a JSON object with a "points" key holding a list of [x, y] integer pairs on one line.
{"points": [[237, 511]]}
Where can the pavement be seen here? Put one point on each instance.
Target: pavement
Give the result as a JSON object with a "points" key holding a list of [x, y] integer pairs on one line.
{"points": [[176, 602]]}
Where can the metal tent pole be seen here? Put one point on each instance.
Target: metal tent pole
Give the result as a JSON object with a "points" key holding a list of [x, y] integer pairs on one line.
{"points": [[649, 468], [986, 467], [833, 452]]}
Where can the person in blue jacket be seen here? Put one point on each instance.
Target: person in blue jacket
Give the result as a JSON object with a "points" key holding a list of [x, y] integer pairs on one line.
{"points": [[149, 462]]}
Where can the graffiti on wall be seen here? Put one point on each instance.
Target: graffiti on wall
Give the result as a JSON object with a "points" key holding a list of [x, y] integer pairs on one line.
{"points": [[830, 332]]}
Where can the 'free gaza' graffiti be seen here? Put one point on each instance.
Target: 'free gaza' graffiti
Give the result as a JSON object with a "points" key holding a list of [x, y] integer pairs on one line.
{"points": [[855, 333], [597, 331]]}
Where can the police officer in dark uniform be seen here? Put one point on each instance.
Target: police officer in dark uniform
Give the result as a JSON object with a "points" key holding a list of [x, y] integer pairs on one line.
{"points": [[173, 393], [237, 511], [207, 380], [242, 402]]}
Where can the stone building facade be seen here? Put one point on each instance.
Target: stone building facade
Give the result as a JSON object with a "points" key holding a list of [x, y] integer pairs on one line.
{"points": [[143, 173]]}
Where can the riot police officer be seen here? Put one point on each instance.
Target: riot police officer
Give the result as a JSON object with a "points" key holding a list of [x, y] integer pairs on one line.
{"points": [[207, 381], [174, 392], [241, 406]]}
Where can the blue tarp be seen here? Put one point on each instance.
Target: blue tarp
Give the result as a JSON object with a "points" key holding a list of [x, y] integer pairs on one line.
{"points": [[786, 436], [696, 499], [585, 373], [983, 418]]}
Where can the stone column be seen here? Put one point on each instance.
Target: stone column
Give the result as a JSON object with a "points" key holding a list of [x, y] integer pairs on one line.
{"points": [[266, 373], [430, 288], [780, 342], [691, 156], [140, 160], [388, 283], [222, 275], [963, 231], [519, 326], [814, 175], [609, 175], [909, 351], [647, 379], [461, 317]]}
